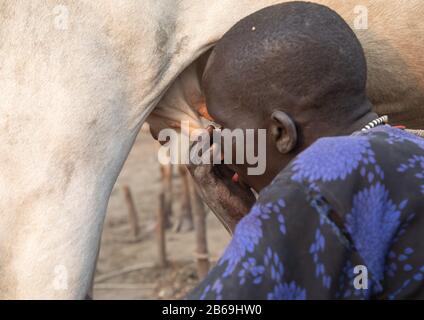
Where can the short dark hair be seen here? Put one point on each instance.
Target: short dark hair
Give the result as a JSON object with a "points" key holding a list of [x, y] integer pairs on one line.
{"points": [[299, 51]]}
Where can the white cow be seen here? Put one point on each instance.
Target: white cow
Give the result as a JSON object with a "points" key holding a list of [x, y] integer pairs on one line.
{"points": [[79, 78]]}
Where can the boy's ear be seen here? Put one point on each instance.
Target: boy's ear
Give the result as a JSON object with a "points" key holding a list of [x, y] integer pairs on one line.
{"points": [[283, 132]]}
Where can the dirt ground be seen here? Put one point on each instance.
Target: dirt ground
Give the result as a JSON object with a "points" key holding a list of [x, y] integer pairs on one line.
{"points": [[127, 267]]}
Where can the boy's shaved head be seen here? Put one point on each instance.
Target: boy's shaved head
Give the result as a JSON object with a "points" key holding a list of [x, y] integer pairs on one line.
{"points": [[295, 69], [298, 57]]}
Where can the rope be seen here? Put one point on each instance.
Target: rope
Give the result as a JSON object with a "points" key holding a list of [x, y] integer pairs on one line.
{"points": [[419, 133]]}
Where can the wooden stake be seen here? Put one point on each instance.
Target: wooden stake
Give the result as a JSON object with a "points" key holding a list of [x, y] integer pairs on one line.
{"points": [[185, 216], [199, 215], [166, 171], [132, 211], [160, 232]]}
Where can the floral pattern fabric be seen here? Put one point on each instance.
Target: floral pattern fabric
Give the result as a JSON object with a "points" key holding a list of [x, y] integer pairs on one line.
{"points": [[343, 203]]}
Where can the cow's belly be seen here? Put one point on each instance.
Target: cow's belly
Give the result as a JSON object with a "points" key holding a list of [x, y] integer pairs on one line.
{"points": [[398, 94], [393, 44]]}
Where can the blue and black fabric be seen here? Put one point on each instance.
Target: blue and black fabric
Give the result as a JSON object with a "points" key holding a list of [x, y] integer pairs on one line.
{"points": [[345, 202]]}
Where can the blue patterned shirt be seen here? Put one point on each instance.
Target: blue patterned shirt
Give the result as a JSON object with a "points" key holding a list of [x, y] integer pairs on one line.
{"points": [[344, 203]]}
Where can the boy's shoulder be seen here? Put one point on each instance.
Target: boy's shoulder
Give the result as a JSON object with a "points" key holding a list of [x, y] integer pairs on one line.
{"points": [[380, 161], [334, 158]]}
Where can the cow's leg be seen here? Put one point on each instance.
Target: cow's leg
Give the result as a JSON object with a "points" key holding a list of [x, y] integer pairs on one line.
{"points": [[66, 127], [60, 155], [54, 194]]}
